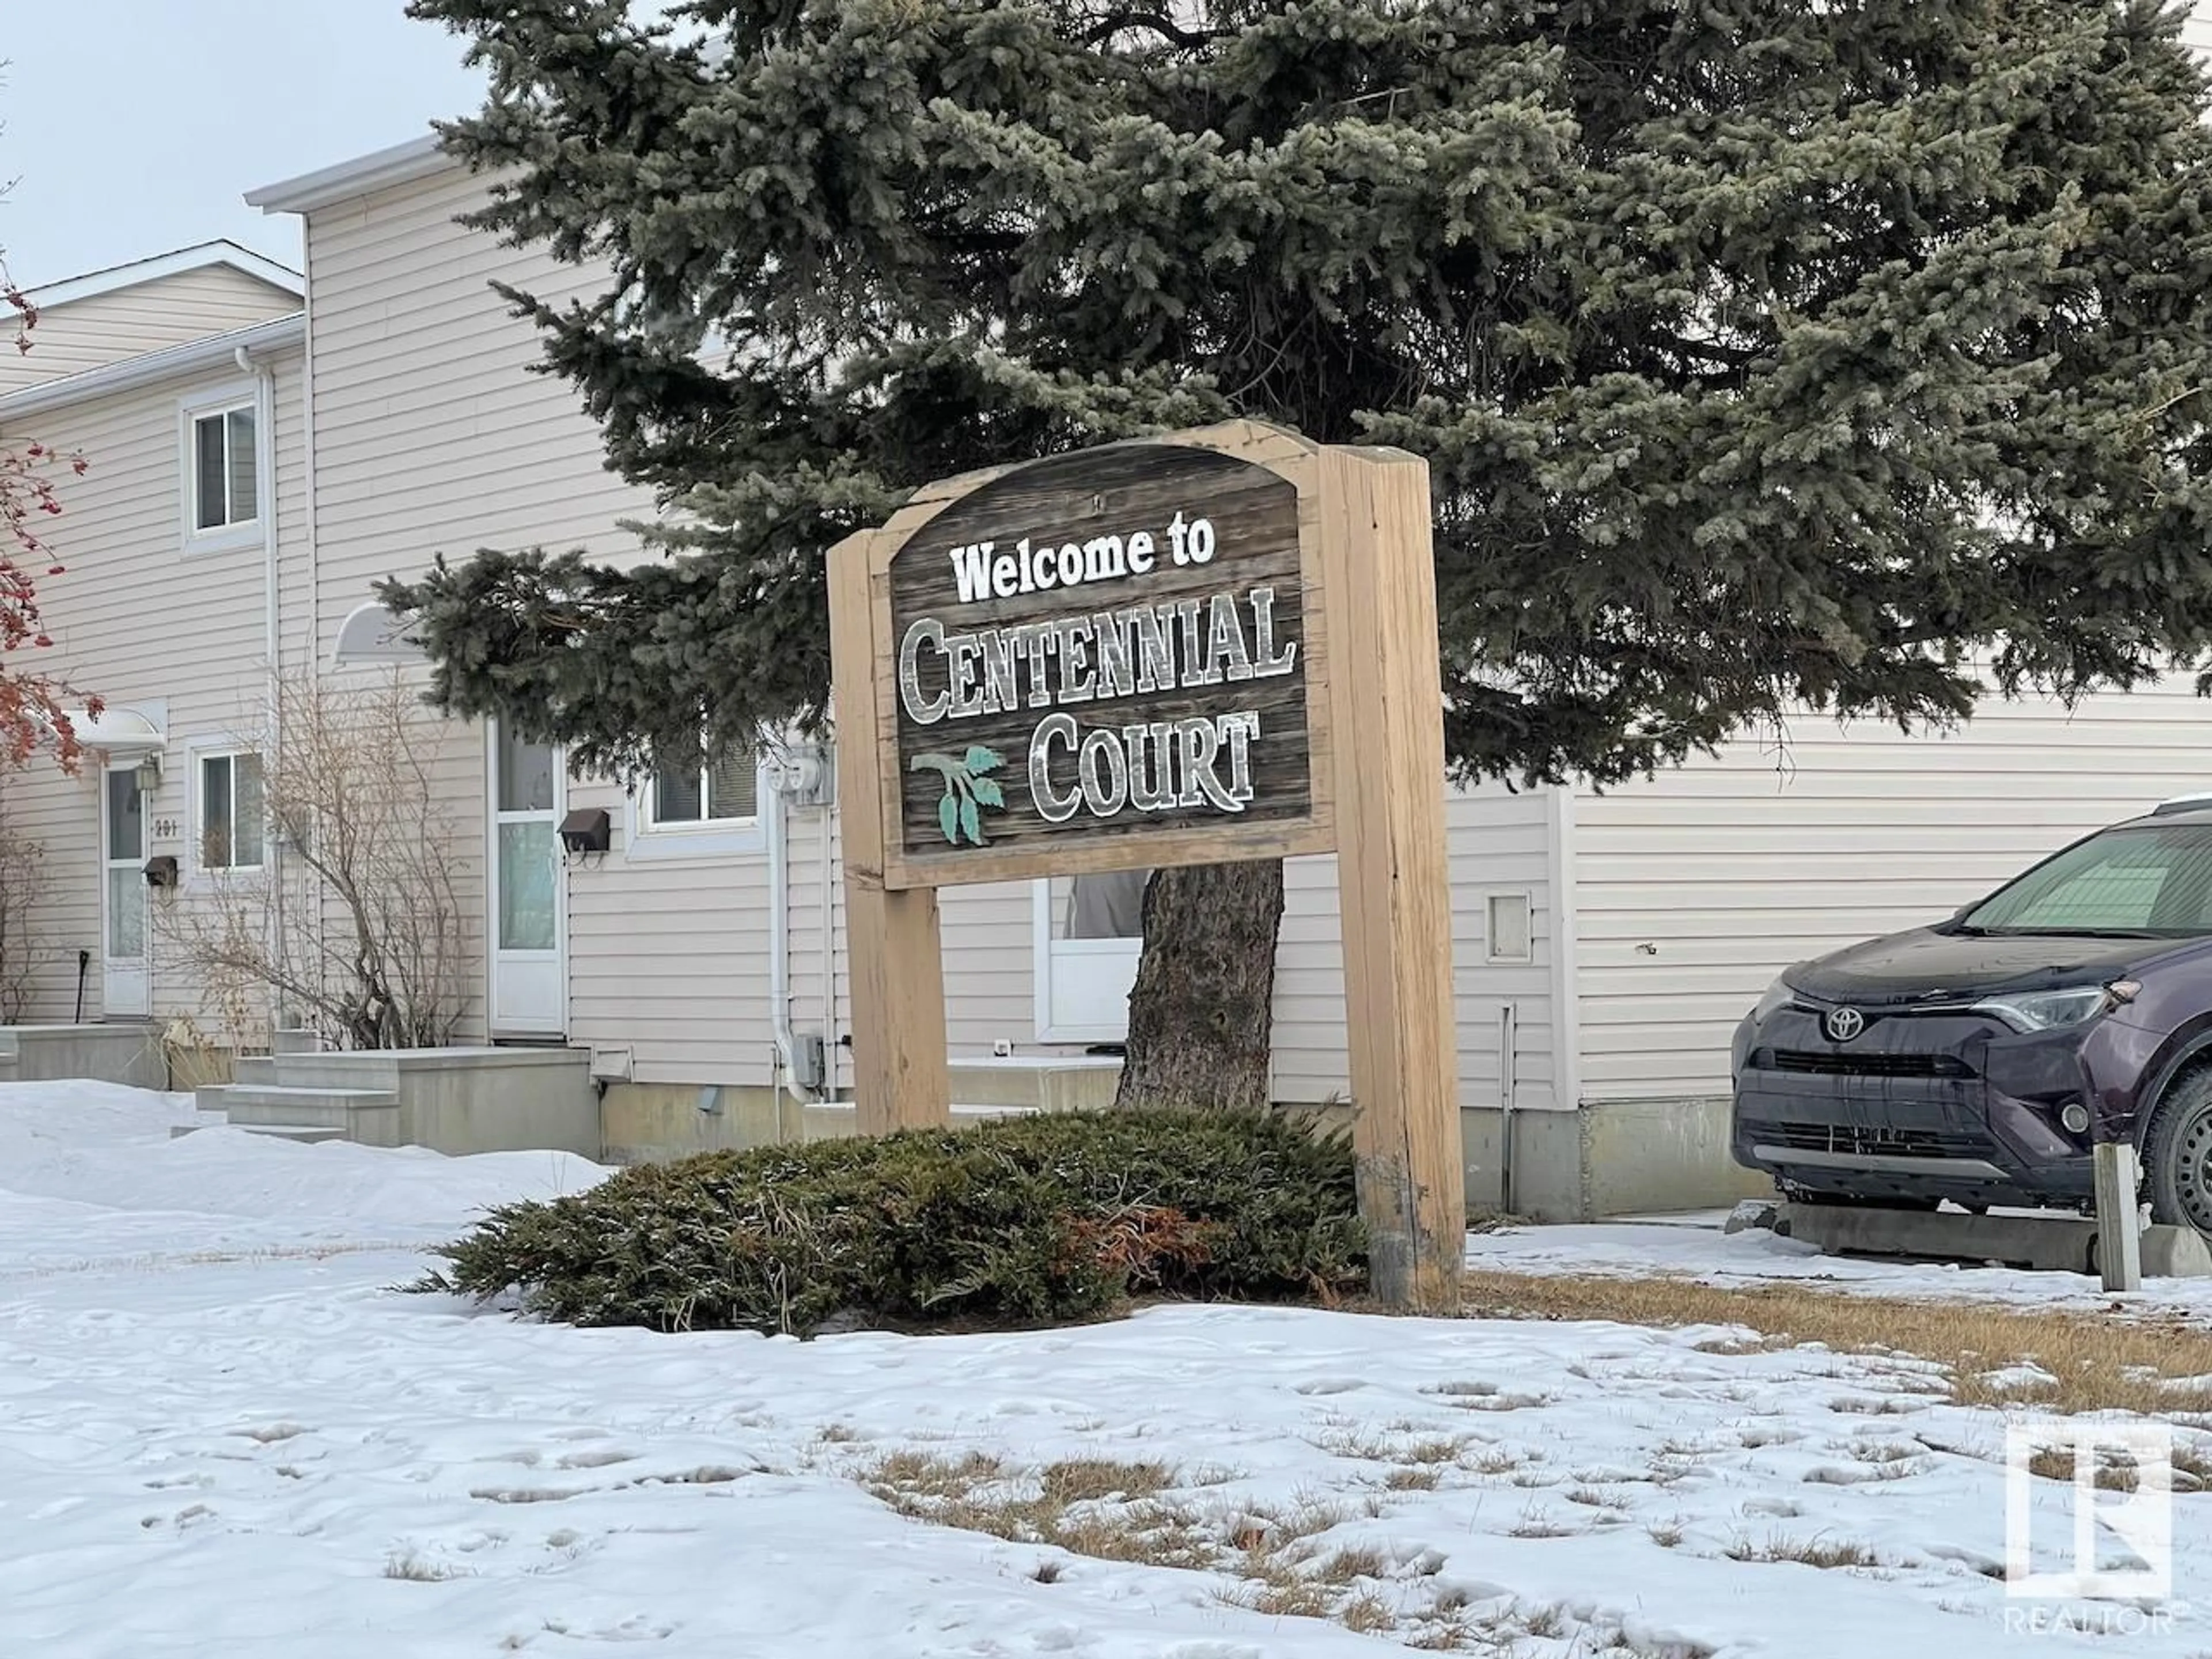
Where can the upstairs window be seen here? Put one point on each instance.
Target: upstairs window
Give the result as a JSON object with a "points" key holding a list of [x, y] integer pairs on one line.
{"points": [[232, 829], [225, 468]]}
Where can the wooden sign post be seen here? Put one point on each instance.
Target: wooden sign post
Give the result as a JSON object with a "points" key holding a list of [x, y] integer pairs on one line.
{"points": [[1213, 645]]}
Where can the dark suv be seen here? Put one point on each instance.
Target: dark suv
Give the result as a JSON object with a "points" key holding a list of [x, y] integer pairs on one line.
{"points": [[1978, 1059]]}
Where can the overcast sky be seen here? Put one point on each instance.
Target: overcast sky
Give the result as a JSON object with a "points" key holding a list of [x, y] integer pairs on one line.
{"points": [[136, 126]]}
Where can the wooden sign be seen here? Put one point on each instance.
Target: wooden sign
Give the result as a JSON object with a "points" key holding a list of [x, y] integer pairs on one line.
{"points": [[1128, 657], [1097, 648]]}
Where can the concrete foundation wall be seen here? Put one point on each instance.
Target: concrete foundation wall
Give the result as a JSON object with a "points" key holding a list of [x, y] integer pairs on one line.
{"points": [[1611, 1158], [125, 1054], [459, 1100], [647, 1122]]}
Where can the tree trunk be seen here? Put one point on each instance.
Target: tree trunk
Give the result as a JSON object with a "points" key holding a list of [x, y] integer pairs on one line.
{"points": [[1201, 1013]]}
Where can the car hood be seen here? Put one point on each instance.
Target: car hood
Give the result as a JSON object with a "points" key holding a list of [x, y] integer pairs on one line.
{"points": [[1931, 965]]}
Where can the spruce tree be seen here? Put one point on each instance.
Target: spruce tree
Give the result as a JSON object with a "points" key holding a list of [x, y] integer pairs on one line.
{"points": [[1769, 355]]}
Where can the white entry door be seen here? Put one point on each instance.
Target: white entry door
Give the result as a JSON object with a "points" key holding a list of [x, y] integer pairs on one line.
{"points": [[125, 977], [1089, 937], [528, 932]]}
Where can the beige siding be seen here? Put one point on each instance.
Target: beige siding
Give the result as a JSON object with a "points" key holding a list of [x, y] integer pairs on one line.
{"points": [[60, 816], [1695, 888], [432, 436], [107, 328], [1499, 841], [668, 957], [142, 623]]}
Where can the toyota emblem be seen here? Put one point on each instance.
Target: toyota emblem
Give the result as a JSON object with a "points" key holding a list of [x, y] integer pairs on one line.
{"points": [[1843, 1023]]}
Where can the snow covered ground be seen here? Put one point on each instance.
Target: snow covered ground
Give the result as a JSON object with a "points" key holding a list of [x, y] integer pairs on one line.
{"points": [[223, 1433], [1696, 1248]]}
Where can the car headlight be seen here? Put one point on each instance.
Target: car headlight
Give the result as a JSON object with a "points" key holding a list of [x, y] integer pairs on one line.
{"points": [[1778, 995], [2047, 1011]]}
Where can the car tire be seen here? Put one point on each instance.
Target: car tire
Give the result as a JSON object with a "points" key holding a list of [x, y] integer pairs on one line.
{"points": [[2178, 1153]]}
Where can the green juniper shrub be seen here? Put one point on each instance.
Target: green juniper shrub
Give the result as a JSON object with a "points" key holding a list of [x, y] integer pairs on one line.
{"points": [[1020, 1220]]}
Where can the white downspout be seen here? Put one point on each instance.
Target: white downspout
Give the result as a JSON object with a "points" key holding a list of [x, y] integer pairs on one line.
{"points": [[264, 507], [779, 932]]}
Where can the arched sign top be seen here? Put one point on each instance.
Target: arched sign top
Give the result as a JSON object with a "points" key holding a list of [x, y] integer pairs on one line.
{"points": [[1102, 660]]}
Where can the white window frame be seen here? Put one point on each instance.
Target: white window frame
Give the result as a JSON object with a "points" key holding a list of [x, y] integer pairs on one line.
{"points": [[1491, 957], [646, 838], [192, 408], [230, 750]]}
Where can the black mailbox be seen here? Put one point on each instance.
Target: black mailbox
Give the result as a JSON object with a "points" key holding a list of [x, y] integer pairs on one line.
{"points": [[162, 872], [587, 829]]}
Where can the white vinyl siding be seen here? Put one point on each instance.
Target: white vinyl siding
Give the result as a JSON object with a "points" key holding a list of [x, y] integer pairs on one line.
{"points": [[166, 311], [1496, 841], [1695, 888], [191, 653]]}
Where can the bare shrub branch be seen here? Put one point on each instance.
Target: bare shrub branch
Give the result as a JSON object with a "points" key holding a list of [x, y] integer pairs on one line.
{"points": [[23, 949], [356, 926]]}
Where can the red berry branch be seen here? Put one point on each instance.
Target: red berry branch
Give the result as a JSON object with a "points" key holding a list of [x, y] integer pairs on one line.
{"points": [[32, 713]]}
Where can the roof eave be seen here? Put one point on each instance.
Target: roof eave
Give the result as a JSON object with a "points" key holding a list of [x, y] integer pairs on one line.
{"points": [[399, 164], [152, 367], [115, 278]]}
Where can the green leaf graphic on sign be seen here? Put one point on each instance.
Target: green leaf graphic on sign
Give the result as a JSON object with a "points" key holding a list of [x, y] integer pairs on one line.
{"points": [[967, 791]]}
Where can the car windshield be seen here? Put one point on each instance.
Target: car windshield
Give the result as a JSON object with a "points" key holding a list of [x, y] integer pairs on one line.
{"points": [[2149, 881]]}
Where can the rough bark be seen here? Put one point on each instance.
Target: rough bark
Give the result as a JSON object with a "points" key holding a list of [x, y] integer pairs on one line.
{"points": [[1201, 1012]]}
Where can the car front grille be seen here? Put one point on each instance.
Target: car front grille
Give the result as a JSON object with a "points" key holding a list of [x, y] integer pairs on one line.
{"points": [[1864, 1141], [1870, 1063]]}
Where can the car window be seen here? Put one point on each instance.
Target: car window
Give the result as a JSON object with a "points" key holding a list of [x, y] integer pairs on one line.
{"points": [[2143, 880]]}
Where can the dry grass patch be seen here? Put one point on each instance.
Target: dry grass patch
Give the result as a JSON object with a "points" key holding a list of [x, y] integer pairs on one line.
{"points": [[1411, 1479], [419, 1570], [1087, 1506], [1369, 1615], [2097, 1363], [1279, 1561], [1823, 1553]]}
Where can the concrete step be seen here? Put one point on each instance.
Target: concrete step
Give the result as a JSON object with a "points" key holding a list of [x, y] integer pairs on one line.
{"points": [[350, 1069], [305, 1134], [254, 1069], [370, 1117]]}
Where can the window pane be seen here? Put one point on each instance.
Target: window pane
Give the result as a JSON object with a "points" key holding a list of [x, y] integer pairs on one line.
{"points": [[526, 886], [676, 797], [731, 790], [248, 828], [126, 817], [126, 915], [244, 505], [1110, 906], [526, 776], [215, 812], [208, 496]]}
